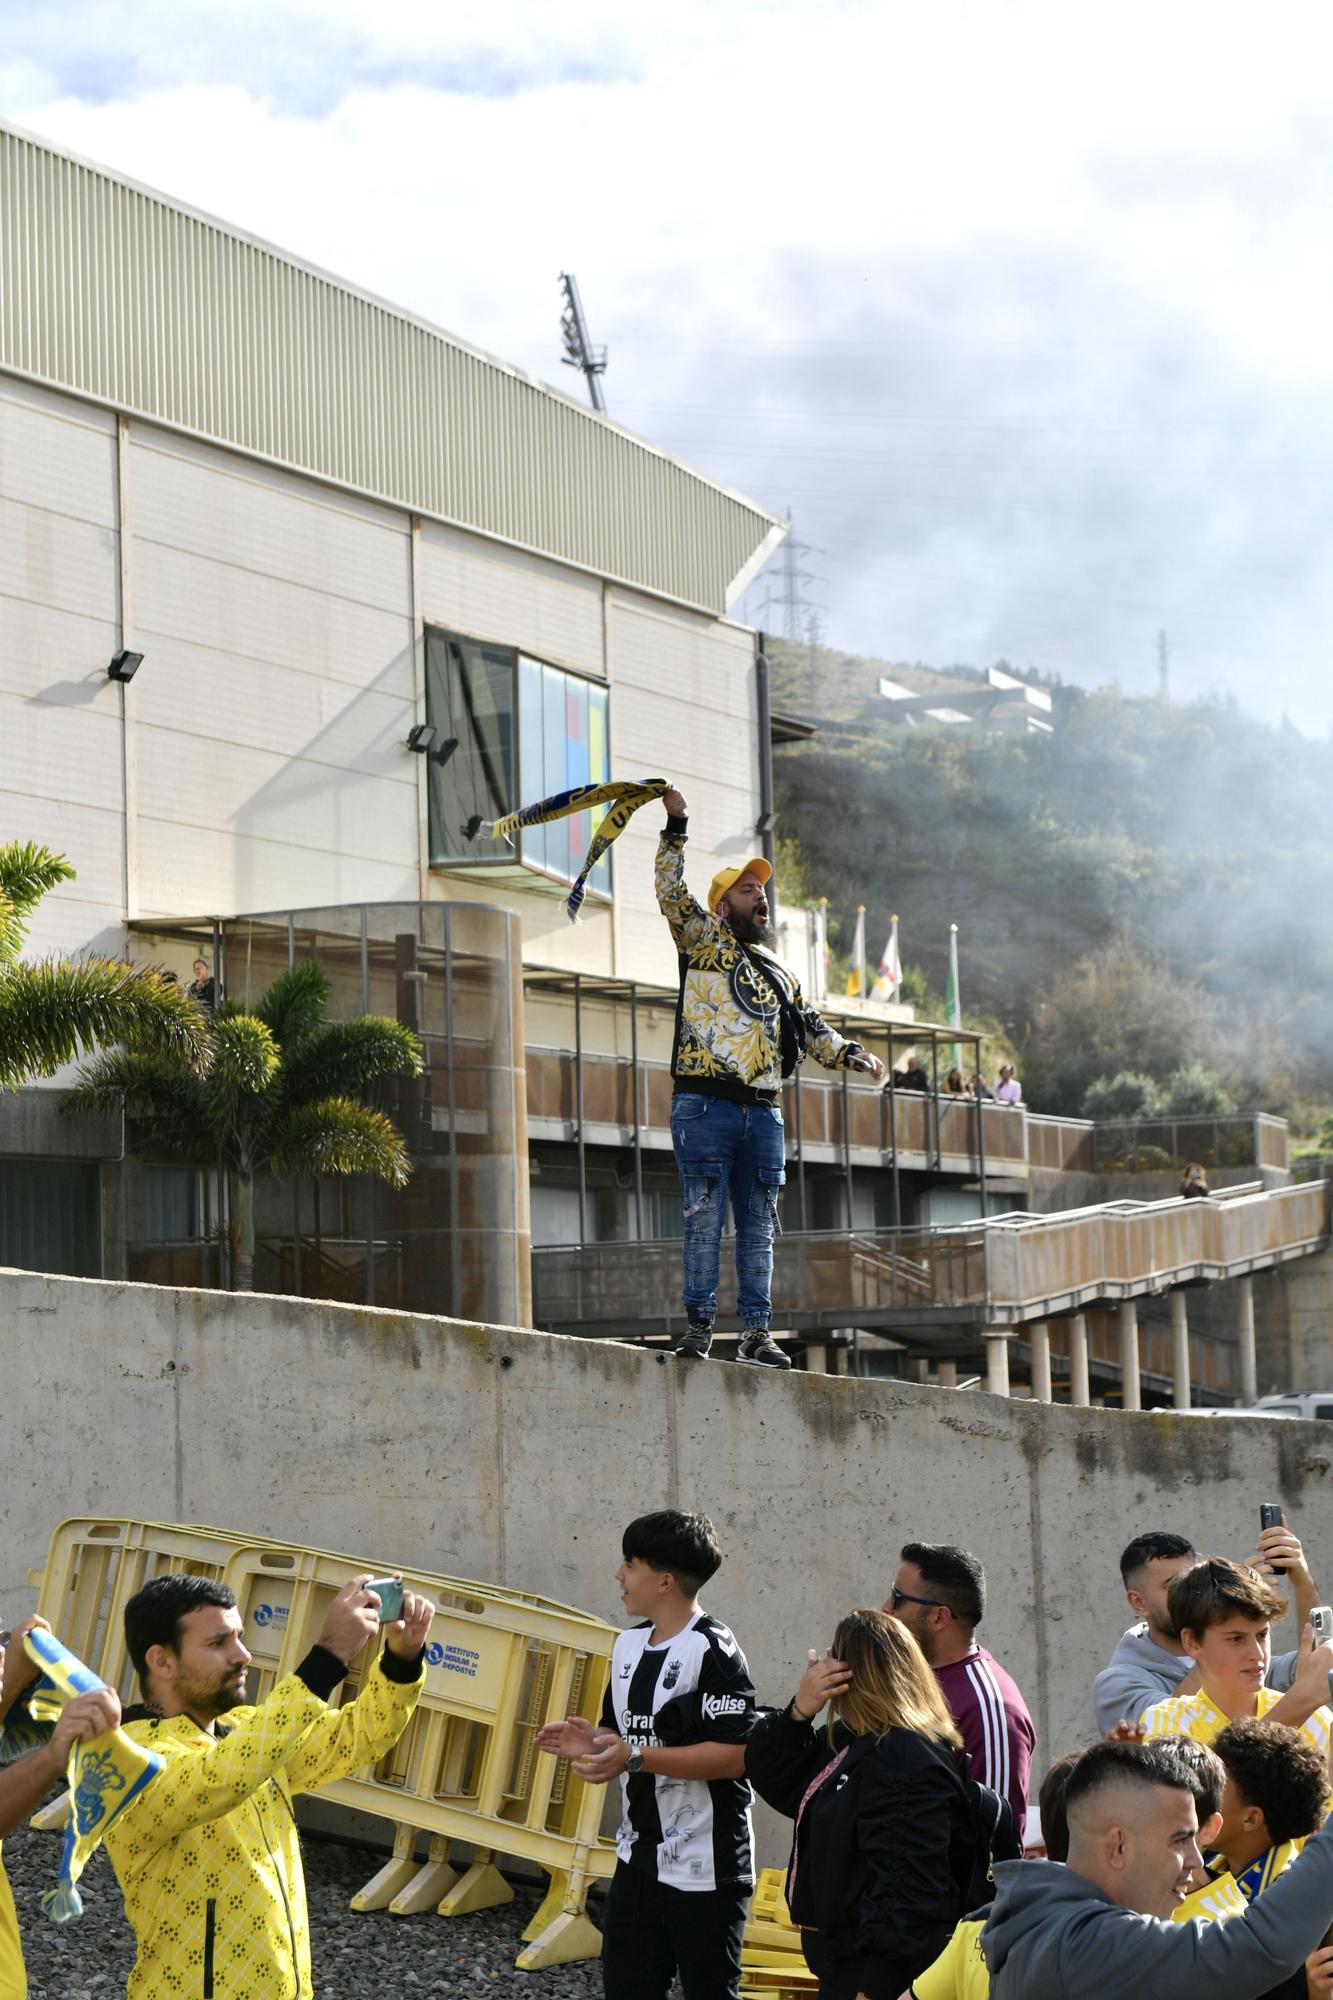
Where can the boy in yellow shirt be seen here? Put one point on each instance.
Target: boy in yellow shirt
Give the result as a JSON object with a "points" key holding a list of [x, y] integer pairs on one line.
{"points": [[1224, 1614]]}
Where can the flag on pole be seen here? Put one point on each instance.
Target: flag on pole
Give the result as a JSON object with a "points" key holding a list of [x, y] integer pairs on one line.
{"points": [[890, 968], [856, 976], [952, 1003]]}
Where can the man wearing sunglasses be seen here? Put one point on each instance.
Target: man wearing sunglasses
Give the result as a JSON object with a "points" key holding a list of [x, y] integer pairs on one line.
{"points": [[939, 1594]]}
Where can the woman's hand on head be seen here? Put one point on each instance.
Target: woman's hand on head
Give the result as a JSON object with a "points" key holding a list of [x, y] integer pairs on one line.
{"points": [[821, 1681]]}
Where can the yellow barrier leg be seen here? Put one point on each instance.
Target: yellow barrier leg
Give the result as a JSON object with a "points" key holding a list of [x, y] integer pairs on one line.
{"points": [[567, 1932], [483, 1887], [381, 1889], [429, 1884], [52, 1818]]}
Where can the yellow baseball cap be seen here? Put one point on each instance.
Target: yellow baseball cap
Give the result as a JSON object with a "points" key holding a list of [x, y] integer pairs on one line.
{"points": [[727, 878]]}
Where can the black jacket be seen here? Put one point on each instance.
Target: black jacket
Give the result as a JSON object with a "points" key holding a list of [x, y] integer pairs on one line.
{"points": [[884, 1850]]}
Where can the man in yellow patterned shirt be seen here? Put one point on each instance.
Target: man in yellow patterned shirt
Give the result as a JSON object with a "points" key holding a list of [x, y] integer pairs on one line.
{"points": [[208, 1859], [1224, 1613]]}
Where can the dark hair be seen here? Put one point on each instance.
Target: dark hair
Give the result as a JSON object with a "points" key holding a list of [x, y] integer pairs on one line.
{"points": [[1156, 1547], [1218, 1588], [1206, 1772], [956, 1577], [1146, 1764], [682, 1545], [1278, 1770], [153, 1615], [1051, 1806]]}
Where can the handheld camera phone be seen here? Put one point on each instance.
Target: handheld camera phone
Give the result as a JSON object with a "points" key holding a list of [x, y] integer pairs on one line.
{"points": [[1321, 1618], [1271, 1516], [389, 1590]]}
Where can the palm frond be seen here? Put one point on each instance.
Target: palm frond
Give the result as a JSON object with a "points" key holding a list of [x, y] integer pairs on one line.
{"points": [[337, 1136], [345, 1056], [246, 1060], [27, 871], [295, 1004], [156, 1092], [52, 1010]]}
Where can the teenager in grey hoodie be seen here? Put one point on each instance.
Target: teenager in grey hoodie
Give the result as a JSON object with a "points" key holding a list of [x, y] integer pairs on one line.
{"points": [[1142, 1669], [1100, 1929]]}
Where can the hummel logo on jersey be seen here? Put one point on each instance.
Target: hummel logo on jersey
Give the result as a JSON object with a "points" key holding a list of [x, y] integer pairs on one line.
{"points": [[672, 1675], [715, 1706], [724, 1641]]}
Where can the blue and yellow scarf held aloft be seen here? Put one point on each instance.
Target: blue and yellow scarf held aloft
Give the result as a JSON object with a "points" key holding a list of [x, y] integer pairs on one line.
{"points": [[105, 1774], [629, 794]]}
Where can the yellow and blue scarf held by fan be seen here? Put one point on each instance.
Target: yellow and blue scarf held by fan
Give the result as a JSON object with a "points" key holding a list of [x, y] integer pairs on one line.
{"points": [[628, 793], [106, 1774]]}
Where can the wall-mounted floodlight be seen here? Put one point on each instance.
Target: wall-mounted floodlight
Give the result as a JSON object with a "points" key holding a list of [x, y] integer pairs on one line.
{"points": [[421, 738], [125, 666]]}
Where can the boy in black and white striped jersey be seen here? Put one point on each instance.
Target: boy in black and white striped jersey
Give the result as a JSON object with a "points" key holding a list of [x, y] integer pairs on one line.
{"points": [[678, 1708]]}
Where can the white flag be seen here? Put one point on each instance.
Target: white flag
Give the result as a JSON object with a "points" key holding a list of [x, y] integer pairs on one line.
{"points": [[890, 968]]}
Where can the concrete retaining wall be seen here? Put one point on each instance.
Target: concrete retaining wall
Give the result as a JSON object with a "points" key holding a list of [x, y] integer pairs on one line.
{"points": [[518, 1457]]}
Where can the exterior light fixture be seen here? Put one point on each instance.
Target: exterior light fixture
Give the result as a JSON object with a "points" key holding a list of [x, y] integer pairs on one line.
{"points": [[421, 738], [125, 666]]}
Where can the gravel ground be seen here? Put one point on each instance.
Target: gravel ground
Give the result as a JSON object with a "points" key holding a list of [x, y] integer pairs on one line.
{"points": [[356, 1957]]}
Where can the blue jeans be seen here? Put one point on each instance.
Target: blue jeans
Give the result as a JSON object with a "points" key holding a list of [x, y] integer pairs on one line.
{"points": [[724, 1148]]}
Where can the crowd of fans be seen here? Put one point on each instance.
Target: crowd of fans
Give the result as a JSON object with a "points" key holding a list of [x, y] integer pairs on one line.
{"points": [[1184, 1850]]}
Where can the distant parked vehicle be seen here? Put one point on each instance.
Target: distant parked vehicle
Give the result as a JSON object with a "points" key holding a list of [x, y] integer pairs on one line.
{"points": [[1317, 1403]]}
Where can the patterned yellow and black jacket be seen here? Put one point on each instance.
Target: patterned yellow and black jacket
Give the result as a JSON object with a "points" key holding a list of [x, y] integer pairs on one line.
{"points": [[208, 1860], [728, 1024]]}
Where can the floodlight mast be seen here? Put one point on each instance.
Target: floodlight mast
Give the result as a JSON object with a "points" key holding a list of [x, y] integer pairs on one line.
{"points": [[579, 350]]}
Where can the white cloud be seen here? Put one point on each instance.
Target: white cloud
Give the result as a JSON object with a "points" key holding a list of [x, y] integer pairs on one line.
{"points": [[1028, 309]]}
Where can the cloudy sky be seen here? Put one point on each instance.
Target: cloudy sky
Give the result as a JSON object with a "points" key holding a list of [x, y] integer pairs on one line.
{"points": [[1024, 309]]}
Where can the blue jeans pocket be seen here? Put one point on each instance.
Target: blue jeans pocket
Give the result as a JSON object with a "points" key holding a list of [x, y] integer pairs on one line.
{"points": [[686, 1105]]}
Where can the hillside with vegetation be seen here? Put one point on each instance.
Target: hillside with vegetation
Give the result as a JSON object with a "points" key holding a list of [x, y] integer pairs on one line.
{"points": [[1144, 891]]}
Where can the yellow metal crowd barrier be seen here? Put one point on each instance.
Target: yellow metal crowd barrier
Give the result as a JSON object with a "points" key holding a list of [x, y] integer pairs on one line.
{"points": [[772, 1964], [499, 1664]]}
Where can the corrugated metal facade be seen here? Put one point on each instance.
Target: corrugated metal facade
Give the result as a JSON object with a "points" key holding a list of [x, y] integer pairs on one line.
{"points": [[115, 292]]}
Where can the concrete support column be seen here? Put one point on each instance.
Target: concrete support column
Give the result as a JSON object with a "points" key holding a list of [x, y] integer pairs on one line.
{"points": [[948, 1375], [1180, 1350], [816, 1358], [1080, 1382], [1130, 1397], [997, 1359], [1249, 1368], [1040, 1339]]}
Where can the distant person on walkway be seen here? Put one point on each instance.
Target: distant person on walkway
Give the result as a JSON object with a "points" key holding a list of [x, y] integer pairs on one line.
{"points": [[939, 1594], [741, 1028], [956, 1084], [1149, 1661], [203, 987], [1008, 1090], [913, 1076], [1194, 1183]]}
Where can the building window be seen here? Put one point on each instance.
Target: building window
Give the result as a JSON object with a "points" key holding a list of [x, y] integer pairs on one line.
{"points": [[170, 1204], [511, 730]]}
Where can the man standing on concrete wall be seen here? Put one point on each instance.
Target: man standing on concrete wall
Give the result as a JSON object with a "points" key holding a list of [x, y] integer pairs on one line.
{"points": [[741, 1027]]}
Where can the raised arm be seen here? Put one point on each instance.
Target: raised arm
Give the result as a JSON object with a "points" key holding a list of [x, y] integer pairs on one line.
{"points": [[688, 920], [362, 1731], [25, 1783]]}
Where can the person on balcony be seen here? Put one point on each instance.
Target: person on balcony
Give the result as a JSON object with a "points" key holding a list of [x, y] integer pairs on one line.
{"points": [[956, 1084], [913, 1076], [742, 1026], [1008, 1090], [1194, 1183]]}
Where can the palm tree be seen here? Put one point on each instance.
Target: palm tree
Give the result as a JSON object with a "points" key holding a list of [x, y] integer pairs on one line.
{"points": [[278, 1095], [54, 1009]]}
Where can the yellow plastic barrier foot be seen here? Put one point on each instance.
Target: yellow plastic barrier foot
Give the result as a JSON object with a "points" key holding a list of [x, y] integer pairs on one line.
{"points": [[572, 1936], [429, 1884], [552, 1903], [53, 1818], [482, 1888], [381, 1889]]}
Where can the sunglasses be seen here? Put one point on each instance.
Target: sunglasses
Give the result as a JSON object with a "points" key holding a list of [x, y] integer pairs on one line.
{"points": [[897, 1597]]}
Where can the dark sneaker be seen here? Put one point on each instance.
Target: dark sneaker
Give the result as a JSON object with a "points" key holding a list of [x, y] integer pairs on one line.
{"points": [[694, 1343], [758, 1346]]}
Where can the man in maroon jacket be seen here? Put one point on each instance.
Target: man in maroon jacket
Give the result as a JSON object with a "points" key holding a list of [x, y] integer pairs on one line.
{"points": [[939, 1594]]}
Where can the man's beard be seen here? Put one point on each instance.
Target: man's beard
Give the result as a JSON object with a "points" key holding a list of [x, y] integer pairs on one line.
{"points": [[210, 1697], [750, 931]]}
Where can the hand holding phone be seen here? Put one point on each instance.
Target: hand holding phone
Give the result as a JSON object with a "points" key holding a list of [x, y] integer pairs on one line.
{"points": [[389, 1590], [1271, 1516]]}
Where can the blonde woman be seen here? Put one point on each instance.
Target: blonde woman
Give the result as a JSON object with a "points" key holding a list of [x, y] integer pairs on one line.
{"points": [[886, 1834]]}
